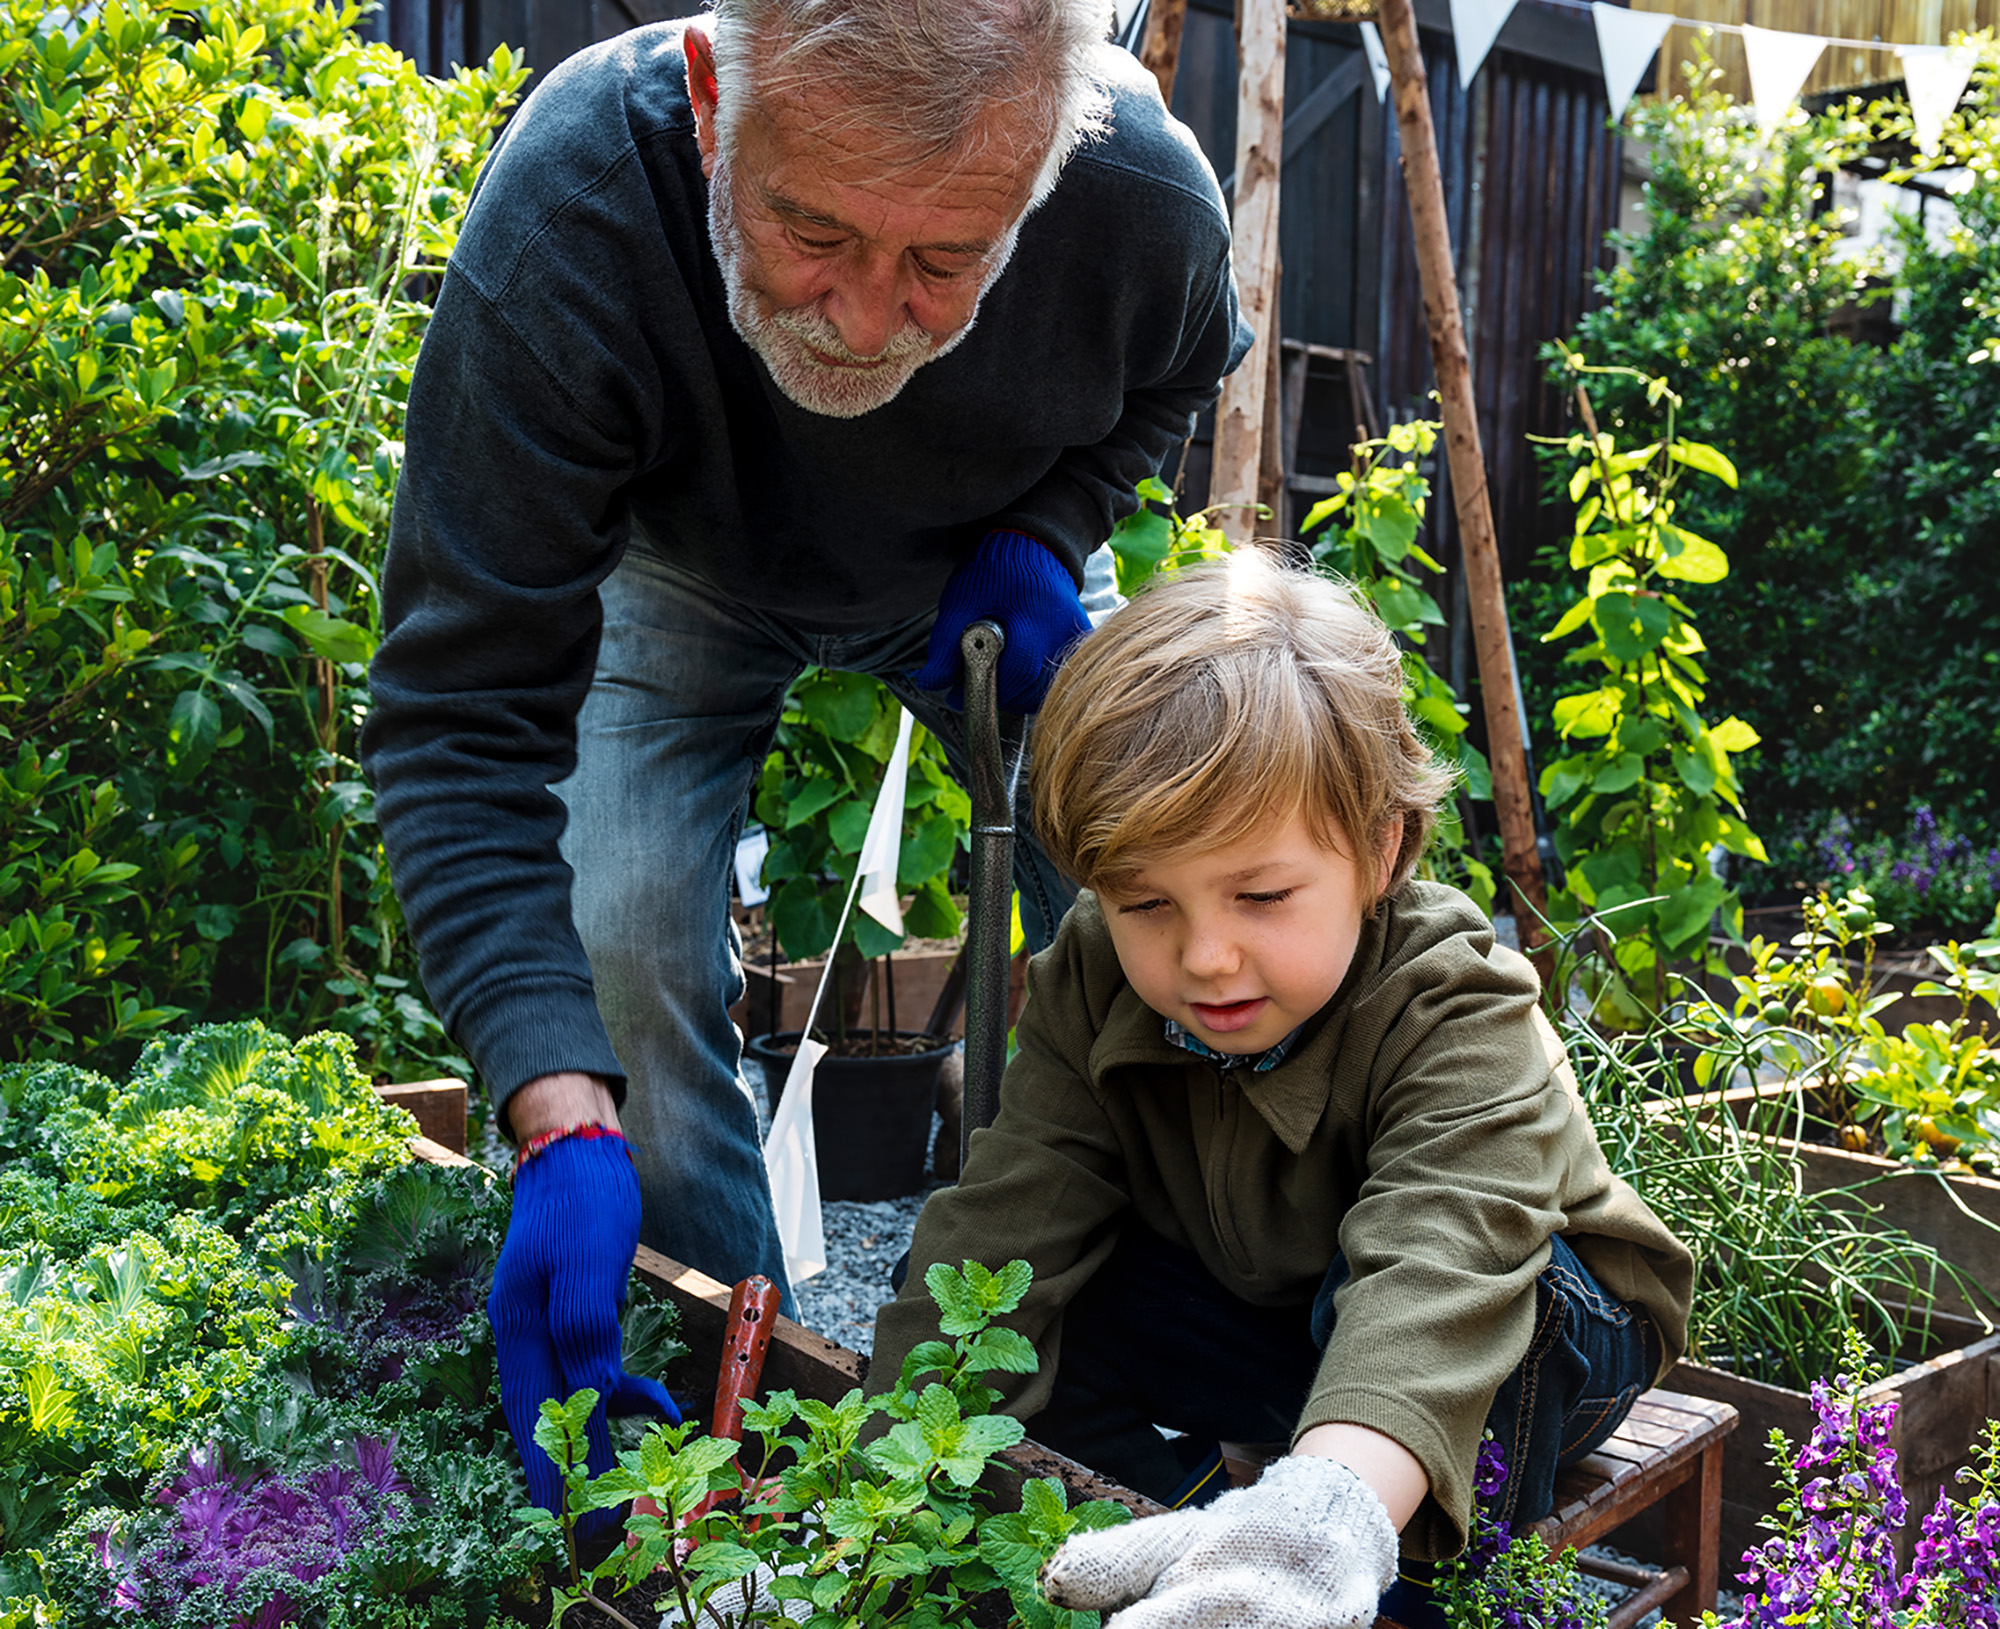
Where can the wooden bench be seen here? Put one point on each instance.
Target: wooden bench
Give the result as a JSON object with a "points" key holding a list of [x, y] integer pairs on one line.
{"points": [[1667, 1453]]}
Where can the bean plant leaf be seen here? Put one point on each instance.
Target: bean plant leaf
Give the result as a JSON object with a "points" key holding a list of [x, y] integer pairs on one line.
{"points": [[841, 704], [1690, 559], [1699, 455]]}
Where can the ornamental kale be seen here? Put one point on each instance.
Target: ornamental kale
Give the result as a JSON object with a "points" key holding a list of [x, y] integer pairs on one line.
{"points": [[1833, 1560], [236, 1537], [1506, 1581]]}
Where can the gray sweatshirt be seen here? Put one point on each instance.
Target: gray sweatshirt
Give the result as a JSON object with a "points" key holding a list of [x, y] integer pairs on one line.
{"points": [[580, 391]]}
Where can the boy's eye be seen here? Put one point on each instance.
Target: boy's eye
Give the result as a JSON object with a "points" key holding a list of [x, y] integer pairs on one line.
{"points": [[1142, 907], [1277, 898]]}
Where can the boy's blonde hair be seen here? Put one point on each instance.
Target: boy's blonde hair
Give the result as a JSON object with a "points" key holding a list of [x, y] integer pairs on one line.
{"points": [[1221, 698]]}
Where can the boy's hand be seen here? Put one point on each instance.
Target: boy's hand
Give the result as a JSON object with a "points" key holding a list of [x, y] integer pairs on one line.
{"points": [[1308, 1547]]}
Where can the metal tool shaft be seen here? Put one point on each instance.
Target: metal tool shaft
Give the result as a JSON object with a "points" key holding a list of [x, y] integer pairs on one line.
{"points": [[991, 911]]}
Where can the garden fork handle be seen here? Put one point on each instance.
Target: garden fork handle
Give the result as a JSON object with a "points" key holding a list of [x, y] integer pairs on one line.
{"points": [[991, 905]]}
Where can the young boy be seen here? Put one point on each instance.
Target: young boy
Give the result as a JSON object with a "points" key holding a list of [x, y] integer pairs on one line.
{"points": [[1291, 1148]]}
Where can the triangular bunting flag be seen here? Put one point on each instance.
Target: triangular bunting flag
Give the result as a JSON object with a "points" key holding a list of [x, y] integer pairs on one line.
{"points": [[1475, 25], [1779, 63], [882, 848], [1935, 76], [1378, 59], [1626, 41]]}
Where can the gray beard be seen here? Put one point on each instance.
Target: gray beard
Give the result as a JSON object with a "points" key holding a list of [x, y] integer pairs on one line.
{"points": [[785, 341]]}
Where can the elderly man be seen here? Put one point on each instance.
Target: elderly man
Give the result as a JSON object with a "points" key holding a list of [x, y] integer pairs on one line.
{"points": [[806, 333]]}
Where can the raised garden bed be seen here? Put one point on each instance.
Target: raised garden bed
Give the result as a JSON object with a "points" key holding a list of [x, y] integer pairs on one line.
{"points": [[1955, 1212], [1943, 1403]]}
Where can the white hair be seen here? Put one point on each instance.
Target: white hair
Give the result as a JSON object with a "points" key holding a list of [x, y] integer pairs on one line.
{"points": [[926, 75]]}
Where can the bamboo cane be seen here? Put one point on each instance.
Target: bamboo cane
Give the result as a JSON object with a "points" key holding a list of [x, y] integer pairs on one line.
{"points": [[1423, 182]]}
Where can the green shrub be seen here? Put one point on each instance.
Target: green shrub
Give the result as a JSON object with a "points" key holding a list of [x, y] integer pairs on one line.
{"points": [[1861, 638], [217, 226]]}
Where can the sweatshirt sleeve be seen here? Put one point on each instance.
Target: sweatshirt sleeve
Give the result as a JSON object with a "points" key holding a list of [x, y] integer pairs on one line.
{"points": [[1476, 1151], [504, 525], [1073, 508], [1044, 1183]]}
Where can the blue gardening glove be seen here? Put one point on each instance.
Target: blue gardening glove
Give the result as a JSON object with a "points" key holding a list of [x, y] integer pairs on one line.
{"points": [[555, 1299], [1027, 590]]}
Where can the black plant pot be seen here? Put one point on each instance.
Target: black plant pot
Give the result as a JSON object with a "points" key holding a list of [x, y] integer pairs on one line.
{"points": [[871, 1116]]}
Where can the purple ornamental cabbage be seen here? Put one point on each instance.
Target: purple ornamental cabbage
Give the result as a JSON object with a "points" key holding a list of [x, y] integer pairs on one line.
{"points": [[226, 1528]]}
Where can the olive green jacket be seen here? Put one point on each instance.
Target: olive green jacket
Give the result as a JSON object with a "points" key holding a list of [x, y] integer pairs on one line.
{"points": [[1425, 1121]]}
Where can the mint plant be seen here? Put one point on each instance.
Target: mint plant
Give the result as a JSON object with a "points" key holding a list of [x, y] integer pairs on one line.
{"points": [[825, 1530], [1642, 808]]}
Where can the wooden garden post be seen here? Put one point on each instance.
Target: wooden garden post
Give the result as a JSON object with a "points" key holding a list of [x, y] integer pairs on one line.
{"points": [[1260, 146], [1425, 186], [1160, 51]]}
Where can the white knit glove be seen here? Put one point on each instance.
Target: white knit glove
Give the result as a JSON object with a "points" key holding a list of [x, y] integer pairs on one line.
{"points": [[1309, 1546]]}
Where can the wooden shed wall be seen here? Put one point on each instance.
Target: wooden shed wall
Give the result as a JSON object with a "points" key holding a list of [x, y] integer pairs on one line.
{"points": [[1530, 171], [1904, 22]]}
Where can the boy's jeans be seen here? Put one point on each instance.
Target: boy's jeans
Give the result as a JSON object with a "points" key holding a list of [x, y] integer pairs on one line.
{"points": [[680, 715], [1153, 1339]]}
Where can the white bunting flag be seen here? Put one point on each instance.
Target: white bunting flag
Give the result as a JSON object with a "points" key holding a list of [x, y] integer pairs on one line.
{"points": [[1475, 25], [882, 848], [1378, 59], [791, 1158], [1779, 63], [1935, 76], [1626, 43]]}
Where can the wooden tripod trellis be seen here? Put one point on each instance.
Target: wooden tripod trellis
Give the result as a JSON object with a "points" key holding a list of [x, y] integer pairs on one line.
{"points": [[1243, 411]]}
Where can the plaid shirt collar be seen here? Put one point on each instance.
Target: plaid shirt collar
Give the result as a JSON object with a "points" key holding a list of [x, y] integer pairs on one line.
{"points": [[1265, 1061]]}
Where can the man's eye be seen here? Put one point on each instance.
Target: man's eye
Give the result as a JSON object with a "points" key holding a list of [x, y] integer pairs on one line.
{"points": [[937, 274], [1277, 898], [817, 245]]}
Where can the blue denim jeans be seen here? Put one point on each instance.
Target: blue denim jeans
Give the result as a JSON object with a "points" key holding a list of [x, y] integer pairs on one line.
{"points": [[1153, 1340], [680, 715]]}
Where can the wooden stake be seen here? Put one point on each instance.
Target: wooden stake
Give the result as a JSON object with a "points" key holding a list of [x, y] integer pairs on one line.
{"points": [[1260, 145], [1423, 182], [1160, 51]]}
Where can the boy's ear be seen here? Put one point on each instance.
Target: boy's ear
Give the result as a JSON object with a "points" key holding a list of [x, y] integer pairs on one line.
{"points": [[699, 50], [1392, 845]]}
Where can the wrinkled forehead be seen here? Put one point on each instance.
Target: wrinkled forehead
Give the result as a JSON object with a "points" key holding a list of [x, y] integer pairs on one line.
{"points": [[992, 155]]}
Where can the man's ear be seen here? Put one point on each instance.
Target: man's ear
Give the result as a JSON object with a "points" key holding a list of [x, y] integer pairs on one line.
{"points": [[1392, 845], [700, 52]]}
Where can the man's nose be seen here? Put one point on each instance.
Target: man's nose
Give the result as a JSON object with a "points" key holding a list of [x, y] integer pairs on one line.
{"points": [[868, 305]]}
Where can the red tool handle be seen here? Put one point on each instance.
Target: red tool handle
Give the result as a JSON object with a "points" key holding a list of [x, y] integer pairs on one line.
{"points": [[753, 1312], [746, 1337]]}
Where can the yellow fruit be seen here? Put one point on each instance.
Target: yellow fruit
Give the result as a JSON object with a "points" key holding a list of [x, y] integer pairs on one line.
{"points": [[1826, 996], [1853, 1138]]}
